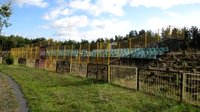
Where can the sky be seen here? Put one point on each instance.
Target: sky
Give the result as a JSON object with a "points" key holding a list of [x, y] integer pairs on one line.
{"points": [[92, 19]]}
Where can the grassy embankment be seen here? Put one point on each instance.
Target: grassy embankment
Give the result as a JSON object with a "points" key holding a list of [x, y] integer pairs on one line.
{"points": [[47, 91]]}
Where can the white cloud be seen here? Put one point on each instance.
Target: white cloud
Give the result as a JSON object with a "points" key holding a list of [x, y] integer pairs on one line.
{"points": [[107, 28], [56, 13], [163, 4], [60, 1], [80, 4], [38, 3], [100, 6], [98, 28], [70, 23], [174, 19], [112, 6], [155, 23]]}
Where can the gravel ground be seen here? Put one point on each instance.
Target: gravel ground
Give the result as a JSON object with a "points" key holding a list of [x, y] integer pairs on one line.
{"points": [[11, 98]]}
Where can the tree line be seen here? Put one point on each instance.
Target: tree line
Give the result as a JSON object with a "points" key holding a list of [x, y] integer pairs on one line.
{"points": [[191, 37]]}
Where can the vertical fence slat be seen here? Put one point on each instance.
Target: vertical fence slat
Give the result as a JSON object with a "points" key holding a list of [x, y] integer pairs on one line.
{"points": [[184, 87], [137, 79]]}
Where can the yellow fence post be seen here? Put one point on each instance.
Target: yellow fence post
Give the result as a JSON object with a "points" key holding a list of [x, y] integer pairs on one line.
{"points": [[36, 50], [129, 45], [119, 50], [21, 52], [51, 57], [101, 60], [17, 52], [158, 35], [26, 54], [31, 52], [64, 53], [57, 53], [12, 51], [97, 59]]}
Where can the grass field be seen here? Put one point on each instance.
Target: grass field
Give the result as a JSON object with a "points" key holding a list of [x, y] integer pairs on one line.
{"points": [[52, 92]]}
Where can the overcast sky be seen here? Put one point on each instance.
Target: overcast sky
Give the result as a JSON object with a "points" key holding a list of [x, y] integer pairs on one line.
{"points": [[92, 19]]}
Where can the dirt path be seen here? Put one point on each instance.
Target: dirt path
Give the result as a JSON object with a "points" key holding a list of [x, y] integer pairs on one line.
{"points": [[11, 97]]}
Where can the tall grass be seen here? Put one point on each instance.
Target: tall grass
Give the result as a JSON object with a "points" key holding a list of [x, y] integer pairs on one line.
{"points": [[47, 92]]}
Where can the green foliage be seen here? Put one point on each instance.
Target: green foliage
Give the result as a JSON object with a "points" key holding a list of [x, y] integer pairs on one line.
{"points": [[49, 92], [9, 60], [5, 13]]}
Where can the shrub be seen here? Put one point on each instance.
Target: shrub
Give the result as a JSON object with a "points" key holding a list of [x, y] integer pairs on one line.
{"points": [[9, 60]]}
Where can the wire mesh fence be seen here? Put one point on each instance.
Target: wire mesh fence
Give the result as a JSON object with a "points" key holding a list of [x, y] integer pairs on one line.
{"points": [[192, 88], [123, 76], [161, 82], [97, 71]]}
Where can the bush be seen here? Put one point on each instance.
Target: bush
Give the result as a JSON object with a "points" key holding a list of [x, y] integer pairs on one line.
{"points": [[9, 60]]}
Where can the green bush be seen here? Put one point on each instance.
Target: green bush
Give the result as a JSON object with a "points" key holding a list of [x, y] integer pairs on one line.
{"points": [[9, 60]]}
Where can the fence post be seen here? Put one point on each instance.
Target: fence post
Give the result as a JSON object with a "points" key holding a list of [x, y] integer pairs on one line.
{"points": [[183, 85], [97, 71], [137, 79], [109, 77], [87, 71], [71, 51], [108, 64]]}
